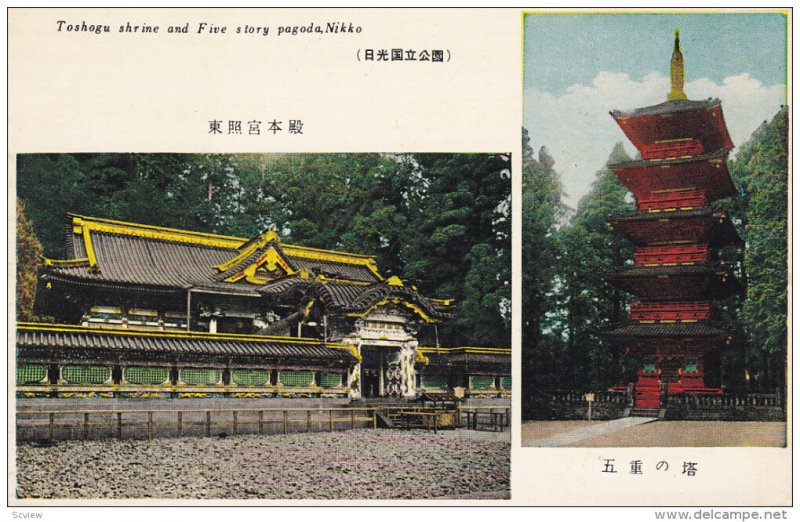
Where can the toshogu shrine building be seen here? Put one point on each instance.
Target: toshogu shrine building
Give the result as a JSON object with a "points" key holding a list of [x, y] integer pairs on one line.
{"points": [[677, 232], [145, 311]]}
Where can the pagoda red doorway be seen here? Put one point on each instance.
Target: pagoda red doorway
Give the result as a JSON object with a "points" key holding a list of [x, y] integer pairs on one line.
{"points": [[647, 398], [648, 385]]}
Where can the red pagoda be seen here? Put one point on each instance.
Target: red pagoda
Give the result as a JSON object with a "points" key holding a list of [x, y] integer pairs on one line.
{"points": [[676, 232]]}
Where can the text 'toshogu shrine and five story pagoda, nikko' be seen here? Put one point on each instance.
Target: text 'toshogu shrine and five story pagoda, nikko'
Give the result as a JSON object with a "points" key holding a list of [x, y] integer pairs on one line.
{"points": [[677, 232]]}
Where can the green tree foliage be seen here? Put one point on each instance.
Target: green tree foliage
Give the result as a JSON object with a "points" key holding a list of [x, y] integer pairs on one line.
{"points": [[565, 296], [459, 245], [179, 190], [760, 171], [588, 249], [541, 211], [29, 260]]}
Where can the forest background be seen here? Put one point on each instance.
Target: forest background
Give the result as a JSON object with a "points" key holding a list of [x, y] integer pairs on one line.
{"points": [[439, 221]]}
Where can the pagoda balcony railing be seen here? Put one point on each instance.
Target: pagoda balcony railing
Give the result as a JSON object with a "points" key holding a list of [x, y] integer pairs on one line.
{"points": [[670, 311], [671, 254], [679, 199], [672, 149]]}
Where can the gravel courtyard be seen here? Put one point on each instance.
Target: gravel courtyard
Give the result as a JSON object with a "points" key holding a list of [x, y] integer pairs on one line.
{"points": [[360, 464]]}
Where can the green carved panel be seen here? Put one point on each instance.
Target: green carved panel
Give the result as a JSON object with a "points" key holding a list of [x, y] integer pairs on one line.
{"points": [[434, 381], [330, 380], [196, 376], [250, 377], [298, 379], [146, 374], [505, 383], [31, 373], [75, 374], [480, 382]]}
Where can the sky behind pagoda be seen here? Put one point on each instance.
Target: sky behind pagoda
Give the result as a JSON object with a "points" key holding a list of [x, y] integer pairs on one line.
{"points": [[578, 67]]}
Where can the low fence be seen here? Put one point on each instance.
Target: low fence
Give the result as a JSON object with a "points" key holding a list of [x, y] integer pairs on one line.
{"points": [[574, 405], [62, 424], [730, 406], [606, 405]]}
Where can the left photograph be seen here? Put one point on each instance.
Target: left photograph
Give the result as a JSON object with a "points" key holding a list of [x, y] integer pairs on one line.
{"points": [[263, 326]]}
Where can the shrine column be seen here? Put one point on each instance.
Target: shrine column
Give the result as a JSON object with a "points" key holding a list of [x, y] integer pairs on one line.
{"points": [[354, 373], [408, 356]]}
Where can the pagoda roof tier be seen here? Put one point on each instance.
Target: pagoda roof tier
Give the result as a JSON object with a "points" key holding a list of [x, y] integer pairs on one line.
{"points": [[698, 225], [676, 120], [680, 282], [707, 173], [36, 336], [667, 339], [637, 330]]}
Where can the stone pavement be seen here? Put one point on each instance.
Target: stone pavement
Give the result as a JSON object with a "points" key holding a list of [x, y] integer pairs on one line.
{"points": [[571, 438]]}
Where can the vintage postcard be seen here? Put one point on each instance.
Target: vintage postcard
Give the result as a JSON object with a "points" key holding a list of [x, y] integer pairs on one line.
{"points": [[292, 257]]}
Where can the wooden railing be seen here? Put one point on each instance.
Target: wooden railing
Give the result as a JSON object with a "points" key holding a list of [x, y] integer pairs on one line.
{"points": [[494, 419], [118, 423]]}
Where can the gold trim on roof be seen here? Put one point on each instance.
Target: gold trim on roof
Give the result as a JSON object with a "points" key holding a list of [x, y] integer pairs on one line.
{"points": [[172, 334], [466, 349], [84, 225]]}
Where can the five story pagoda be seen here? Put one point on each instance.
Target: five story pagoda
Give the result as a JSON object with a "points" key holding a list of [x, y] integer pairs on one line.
{"points": [[677, 232]]}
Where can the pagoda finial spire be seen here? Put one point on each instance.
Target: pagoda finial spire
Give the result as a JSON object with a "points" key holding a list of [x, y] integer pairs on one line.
{"points": [[676, 71]]}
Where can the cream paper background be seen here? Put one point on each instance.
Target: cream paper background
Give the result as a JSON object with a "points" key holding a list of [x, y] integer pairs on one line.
{"points": [[82, 92]]}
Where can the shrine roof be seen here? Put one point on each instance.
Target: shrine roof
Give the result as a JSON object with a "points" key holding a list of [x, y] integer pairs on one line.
{"points": [[470, 357], [46, 335], [359, 299], [108, 254], [127, 253]]}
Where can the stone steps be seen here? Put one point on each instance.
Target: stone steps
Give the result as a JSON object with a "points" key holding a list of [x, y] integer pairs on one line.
{"points": [[645, 412]]}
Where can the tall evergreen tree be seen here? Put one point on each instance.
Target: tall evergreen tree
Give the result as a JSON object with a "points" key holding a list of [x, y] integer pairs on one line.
{"points": [[461, 234], [542, 210], [760, 171]]}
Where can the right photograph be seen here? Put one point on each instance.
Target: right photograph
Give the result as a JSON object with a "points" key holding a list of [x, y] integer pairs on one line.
{"points": [[655, 230]]}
